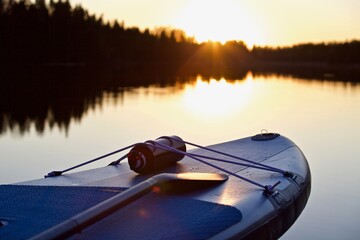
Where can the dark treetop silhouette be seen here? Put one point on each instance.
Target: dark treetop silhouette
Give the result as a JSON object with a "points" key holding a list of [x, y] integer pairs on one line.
{"points": [[57, 33]]}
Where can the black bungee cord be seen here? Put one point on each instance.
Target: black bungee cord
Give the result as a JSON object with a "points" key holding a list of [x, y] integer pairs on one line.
{"points": [[58, 173], [268, 188], [198, 157]]}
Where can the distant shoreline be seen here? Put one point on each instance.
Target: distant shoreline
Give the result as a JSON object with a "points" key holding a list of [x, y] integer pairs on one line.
{"points": [[346, 72], [321, 70]]}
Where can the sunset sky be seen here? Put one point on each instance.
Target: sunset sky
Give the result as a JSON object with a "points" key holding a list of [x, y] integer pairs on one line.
{"points": [[259, 22]]}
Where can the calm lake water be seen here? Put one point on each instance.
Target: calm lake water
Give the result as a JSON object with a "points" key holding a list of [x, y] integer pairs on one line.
{"points": [[321, 117]]}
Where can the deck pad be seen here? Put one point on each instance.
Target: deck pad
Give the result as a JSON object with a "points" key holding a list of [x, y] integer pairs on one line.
{"points": [[158, 216], [29, 210]]}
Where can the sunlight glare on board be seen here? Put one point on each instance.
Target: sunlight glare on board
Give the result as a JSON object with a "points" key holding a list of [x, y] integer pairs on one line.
{"points": [[209, 20], [216, 99]]}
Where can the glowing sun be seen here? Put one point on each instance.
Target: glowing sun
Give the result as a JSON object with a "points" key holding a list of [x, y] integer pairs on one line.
{"points": [[219, 21]]}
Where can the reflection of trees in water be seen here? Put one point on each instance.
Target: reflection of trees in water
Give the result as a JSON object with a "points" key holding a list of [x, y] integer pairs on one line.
{"points": [[38, 97], [48, 97], [54, 97]]}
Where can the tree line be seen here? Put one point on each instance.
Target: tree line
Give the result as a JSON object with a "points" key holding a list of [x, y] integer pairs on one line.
{"points": [[332, 52], [55, 32], [59, 33]]}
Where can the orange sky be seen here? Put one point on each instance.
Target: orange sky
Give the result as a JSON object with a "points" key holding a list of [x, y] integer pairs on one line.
{"points": [[259, 22]]}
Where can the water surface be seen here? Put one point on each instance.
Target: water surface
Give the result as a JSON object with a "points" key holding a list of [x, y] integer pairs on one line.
{"points": [[322, 117]]}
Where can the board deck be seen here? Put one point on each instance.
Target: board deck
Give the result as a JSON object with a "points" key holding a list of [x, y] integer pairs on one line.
{"points": [[238, 208]]}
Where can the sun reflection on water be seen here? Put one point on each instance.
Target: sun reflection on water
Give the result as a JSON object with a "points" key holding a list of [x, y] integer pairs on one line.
{"points": [[217, 98]]}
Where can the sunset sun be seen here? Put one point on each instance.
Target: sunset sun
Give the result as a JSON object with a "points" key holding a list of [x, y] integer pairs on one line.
{"points": [[219, 21]]}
